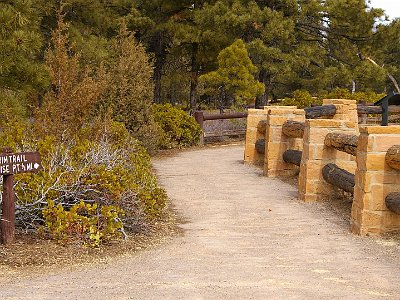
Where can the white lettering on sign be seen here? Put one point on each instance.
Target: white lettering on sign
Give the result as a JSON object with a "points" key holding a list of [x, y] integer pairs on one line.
{"points": [[15, 163]]}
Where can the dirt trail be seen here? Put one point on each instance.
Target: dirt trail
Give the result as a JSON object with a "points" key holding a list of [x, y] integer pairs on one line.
{"points": [[246, 237]]}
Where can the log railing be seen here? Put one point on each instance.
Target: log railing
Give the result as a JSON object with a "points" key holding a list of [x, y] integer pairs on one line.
{"points": [[292, 157], [339, 177], [293, 129], [392, 202], [342, 142], [320, 111], [392, 157], [262, 126], [200, 117], [260, 146]]}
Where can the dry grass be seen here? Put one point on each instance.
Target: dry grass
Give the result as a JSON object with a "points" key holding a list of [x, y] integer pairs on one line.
{"points": [[35, 252]]}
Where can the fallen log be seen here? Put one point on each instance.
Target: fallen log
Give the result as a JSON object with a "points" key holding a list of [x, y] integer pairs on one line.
{"points": [[338, 177], [262, 126], [292, 157], [260, 146], [293, 129], [320, 111], [393, 157], [392, 202], [342, 142]]}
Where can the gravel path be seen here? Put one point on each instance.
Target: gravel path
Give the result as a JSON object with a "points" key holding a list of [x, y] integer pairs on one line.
{"points": [[246, 237]]}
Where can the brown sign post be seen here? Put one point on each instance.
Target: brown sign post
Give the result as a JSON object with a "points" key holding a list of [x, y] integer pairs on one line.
{"points": [[10, 164]]}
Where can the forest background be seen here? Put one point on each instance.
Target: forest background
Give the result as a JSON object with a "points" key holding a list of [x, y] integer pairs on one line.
{"points": [[94, 85]]}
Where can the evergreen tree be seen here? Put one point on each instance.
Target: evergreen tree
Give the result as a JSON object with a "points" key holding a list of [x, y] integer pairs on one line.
{"points": [[234, 78], [22, 74]]}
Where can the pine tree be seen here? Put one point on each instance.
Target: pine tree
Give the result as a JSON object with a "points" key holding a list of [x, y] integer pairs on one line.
{"points": [[234, 76], [22, 75]]}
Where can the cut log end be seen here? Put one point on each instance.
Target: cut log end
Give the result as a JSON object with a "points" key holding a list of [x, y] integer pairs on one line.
{"points": [[393, 157], [339, 177], [292, 157], [392, 202], [293, 129], [262, 126], [260, 146]]}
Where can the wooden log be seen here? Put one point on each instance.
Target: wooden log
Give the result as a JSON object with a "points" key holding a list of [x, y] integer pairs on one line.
{"points": [[342, 142], [320, 111], [367, 109], [392, 202], [292, 157], [262, 127], [260, 146], [339, 177], [237, 115], [393, 157], [293, 129]]}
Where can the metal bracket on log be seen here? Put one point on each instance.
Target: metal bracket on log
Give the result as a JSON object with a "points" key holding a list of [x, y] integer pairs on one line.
{"points": [[342, 142], [320, 111], [339, 177], [393, 157], [292, 157]]}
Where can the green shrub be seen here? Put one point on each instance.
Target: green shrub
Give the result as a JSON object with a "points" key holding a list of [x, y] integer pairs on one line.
{"points": [[301, 99], [178, 128], [87, 222], [338, 93], [103, 166]]}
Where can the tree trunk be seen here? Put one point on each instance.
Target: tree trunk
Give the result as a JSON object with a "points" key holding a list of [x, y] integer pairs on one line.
{"points": [[320, 111], [160, 55], [392, 202], [194, 78], [262, 100], [338, 177], [393, 157], [293, 129], [342, 142], [292, 157]]}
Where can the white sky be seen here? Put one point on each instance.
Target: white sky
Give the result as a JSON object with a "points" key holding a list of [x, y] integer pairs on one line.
{"points": [[391, 7]]}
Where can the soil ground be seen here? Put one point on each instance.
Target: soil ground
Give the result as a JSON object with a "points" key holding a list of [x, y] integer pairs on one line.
{"points": [[245, 237]]}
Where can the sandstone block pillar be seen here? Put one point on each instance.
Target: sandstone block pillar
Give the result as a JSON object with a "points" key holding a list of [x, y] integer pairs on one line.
{"points": [[316, 155], [251, 156], [374, 180], [346, 110], [276, 143]]}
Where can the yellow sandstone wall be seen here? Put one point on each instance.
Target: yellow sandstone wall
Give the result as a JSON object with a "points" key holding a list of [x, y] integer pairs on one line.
{"points": [[312, 186], [374, 180], [251, 156], [276, 143]]}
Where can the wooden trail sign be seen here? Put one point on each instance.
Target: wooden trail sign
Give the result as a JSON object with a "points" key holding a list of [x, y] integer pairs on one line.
{"points": [[10, 164], [14, 163]]}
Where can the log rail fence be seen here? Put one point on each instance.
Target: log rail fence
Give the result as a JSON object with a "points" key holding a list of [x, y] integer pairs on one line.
{"points": [[328, 148], [200, 118]]}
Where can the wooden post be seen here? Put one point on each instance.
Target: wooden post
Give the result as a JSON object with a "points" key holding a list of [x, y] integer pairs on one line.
{"points": [[7, 223], [199, 117], [363, 117]]}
